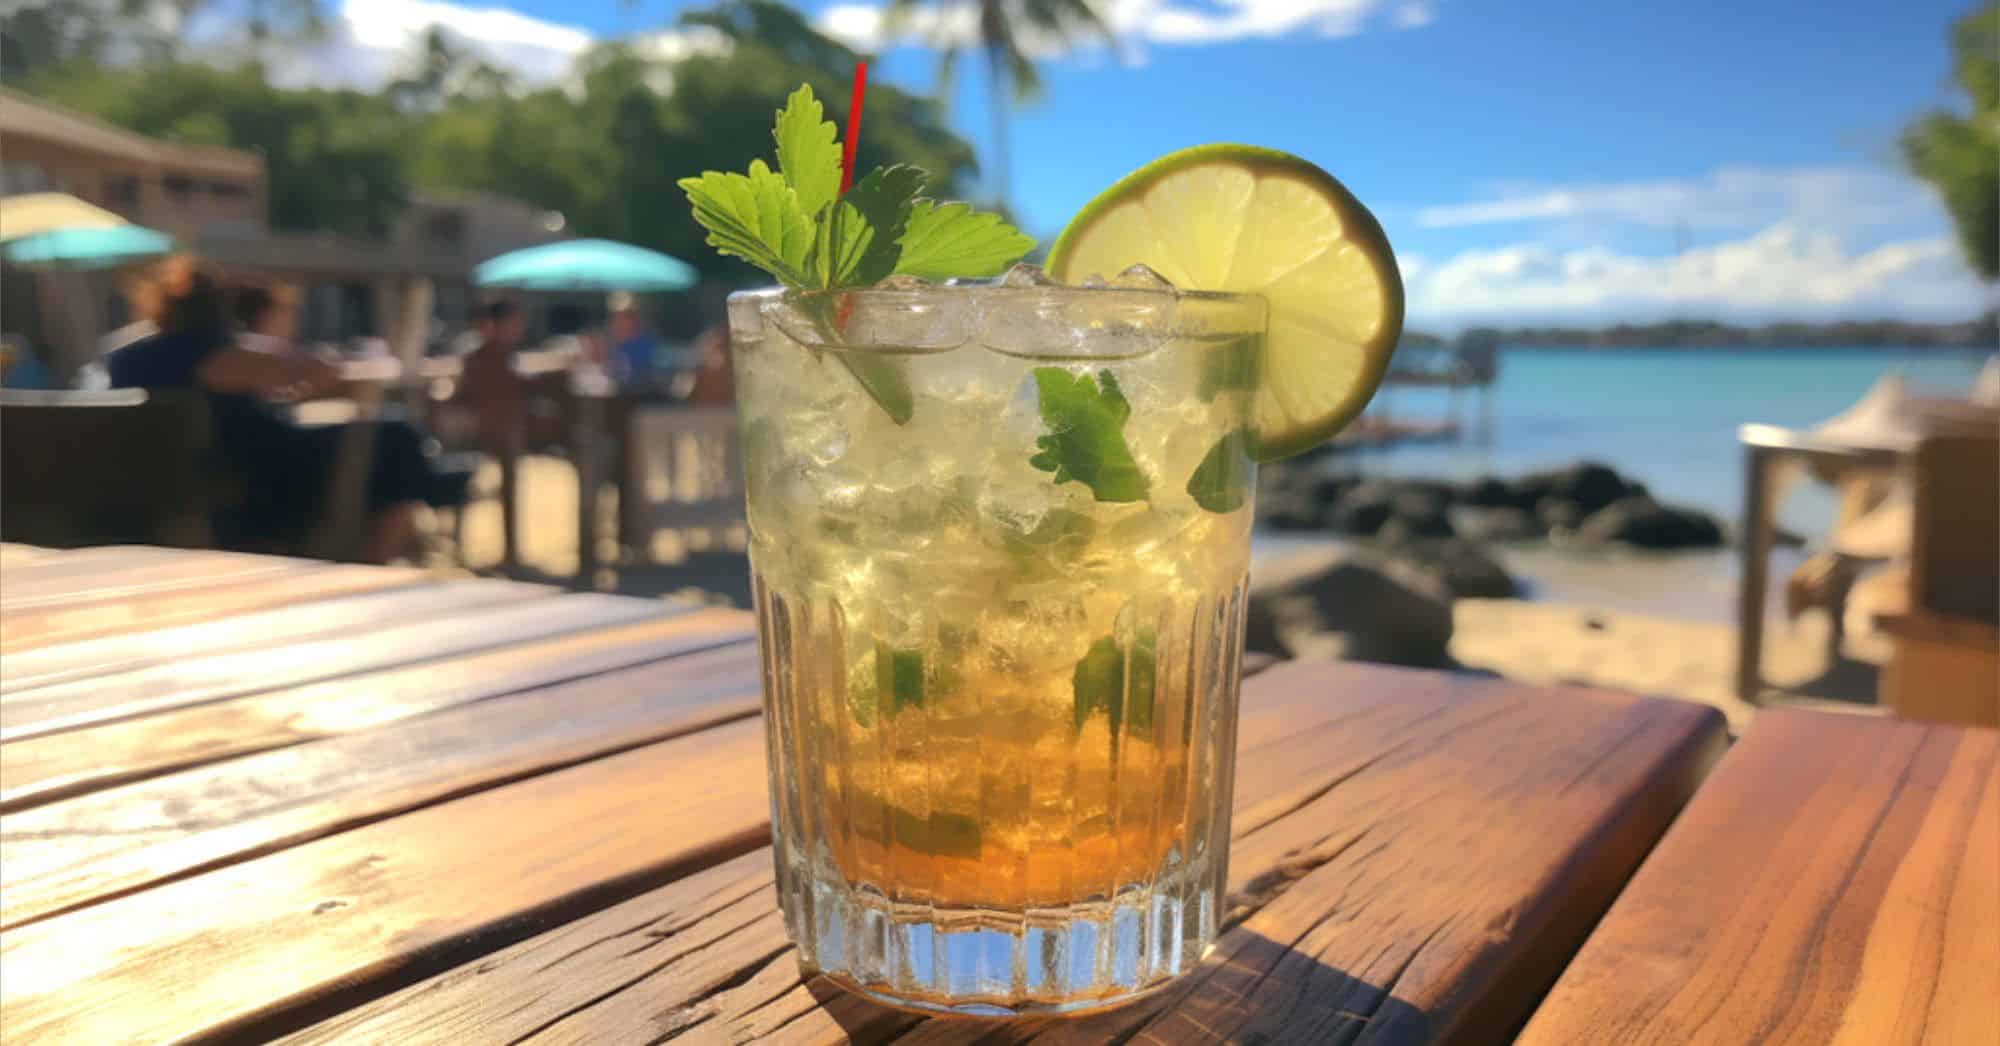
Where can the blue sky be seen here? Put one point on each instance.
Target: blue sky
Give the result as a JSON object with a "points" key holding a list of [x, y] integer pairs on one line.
{"points": [[1557, 160]]}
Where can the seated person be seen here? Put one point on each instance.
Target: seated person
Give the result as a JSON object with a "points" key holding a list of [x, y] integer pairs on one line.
{"points": [[287, 469], [267, 318], [496, 393]]}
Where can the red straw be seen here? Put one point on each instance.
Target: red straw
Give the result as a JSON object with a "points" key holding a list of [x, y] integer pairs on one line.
{"points": [[853, 127]]}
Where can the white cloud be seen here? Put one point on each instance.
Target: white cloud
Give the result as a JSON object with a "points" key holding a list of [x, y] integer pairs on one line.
{"points": [[1783, 271], [1137, 22], [368, 41], [1728, 198]]}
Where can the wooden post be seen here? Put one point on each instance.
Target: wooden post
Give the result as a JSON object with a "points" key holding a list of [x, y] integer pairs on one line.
{"points": [[586, 420], [1755, 544], [510, 489]]}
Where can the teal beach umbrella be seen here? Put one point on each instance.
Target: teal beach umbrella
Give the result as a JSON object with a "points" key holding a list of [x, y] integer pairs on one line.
{"points": [[585, 265], [88, 248]]}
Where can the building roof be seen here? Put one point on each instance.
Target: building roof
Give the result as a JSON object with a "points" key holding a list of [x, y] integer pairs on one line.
{"points": [[29, 117]]}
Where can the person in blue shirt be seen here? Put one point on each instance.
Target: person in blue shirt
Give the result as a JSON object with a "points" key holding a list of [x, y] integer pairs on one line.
{"points": [[633, 347], [286, 469]]}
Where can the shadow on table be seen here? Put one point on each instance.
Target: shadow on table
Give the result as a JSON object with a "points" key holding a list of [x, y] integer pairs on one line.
{"points": [[1252, 989]]}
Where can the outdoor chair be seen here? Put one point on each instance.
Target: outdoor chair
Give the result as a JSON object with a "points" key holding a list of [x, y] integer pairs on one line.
{"points": [[103, 468]]}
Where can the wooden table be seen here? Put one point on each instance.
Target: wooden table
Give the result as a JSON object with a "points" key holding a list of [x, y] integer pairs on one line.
{"points": [[1836, 881], [1764, 448], [252, 799]]}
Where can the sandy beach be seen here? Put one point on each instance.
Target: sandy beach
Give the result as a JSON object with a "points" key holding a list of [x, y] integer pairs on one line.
{"points": [[1648, 623]]}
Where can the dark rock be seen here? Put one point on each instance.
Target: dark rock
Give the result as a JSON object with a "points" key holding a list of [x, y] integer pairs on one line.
{"points": [[1588, 484], [1559, 514], [1500, 524], [1419, 502], [1645, 523], [1464, 567], [1296, 499], [1492, 492], [1261, 633], [1433, 490], [1403, 528], [1363, 509], [1384, 610]]}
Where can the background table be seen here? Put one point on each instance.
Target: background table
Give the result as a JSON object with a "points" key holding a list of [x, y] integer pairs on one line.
{"points": [[1836, 881], [250, 798]]}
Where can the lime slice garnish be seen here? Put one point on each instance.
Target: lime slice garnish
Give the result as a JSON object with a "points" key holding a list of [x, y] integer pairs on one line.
{"points": [[1257, 221]]}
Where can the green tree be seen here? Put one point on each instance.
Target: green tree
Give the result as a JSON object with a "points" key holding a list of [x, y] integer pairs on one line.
{"points": [[1959, 155], [608, 150], [439, 69], [334, 159], [39, 36], [1007, 30]]}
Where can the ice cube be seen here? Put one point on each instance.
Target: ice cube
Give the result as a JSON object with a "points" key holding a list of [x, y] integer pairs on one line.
{"points": [[902, 281], [1094, 282], [1141, 277], [1026, 275]]}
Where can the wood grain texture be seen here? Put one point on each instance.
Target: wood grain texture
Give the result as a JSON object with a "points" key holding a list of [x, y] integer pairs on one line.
{"points": [[126, 573], [132, 651], [28, 630], [16, 555], [1416, 854], [84, 850], [68, 706], [41, 769], [1836, 881], [214, 953]]}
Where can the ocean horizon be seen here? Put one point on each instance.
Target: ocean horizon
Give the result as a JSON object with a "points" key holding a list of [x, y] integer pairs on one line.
{"points": [[1666, 417]]}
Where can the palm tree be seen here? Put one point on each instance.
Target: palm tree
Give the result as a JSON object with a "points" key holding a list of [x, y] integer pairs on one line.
{"points": [[1006, 30], [1960, 155]]}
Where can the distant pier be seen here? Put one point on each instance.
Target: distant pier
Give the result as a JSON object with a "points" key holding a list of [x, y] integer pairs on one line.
{"points": [[1471, 362]]}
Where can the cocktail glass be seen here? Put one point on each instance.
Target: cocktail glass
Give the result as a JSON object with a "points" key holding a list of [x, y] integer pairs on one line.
{"points": [[1000, 659]]}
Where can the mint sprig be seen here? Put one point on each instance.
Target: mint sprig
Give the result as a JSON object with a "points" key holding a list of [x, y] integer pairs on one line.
{"points": [[1086, 439], [943, 240], [757, 218], [794, 224], [1118, 679]]}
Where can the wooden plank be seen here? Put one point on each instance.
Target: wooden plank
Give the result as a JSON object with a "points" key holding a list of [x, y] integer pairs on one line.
{"points": [[32, 629], [68, 582], [85, 850], [395, 899], [1415, 856], [1837, 881], [68, 706], [133, 651], [18, 555], [41, 769]]}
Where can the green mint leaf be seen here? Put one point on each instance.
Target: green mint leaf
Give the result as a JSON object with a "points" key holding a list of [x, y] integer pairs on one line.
{"points": [[1232, 367], [880, 376], [886, 384], [1086, 440], [940, 833], [808, 155], [1221, 483], [1101, 677], [858, 237], [899, 676], [755, 217], [946, 240]]}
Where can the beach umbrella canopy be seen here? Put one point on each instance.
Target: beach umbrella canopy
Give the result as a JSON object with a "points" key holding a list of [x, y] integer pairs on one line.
{"points": [[38, 212], [585, 265], [88, 248]]}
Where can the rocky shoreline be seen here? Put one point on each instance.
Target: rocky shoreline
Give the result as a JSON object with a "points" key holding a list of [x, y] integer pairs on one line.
{"points": [[1422, 543], [1588, 503]]}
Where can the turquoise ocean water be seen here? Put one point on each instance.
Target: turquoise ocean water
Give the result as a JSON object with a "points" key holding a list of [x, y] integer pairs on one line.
{"points": [[1667, 416]]}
